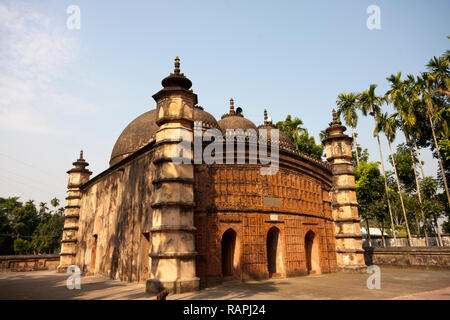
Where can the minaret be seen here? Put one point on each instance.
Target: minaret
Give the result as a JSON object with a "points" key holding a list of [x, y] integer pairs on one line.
{"points": [[344, 206], [78, 175], [172, 251]]}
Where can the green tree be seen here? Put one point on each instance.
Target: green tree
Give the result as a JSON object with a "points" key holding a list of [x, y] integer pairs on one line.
{"points": [[300, 137], [433, 206], [370, 103], [22, 246], [363, 155], [47, 235], [307, 144], [388, 125], [347, 105], [24, 219], [6, 239], [370, 192], [444, 145], [404, 165], [440, 72], [409, 112], [24, 229], [427, 84]]}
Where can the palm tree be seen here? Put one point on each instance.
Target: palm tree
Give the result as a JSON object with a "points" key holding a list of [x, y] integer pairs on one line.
{"points": [[426, 83], [381, 121], [409, 99], [347, 104], [369, 103], [416, 107], [323, 134], [394, 95], [54, 202], [440, 72], [293, 128]]}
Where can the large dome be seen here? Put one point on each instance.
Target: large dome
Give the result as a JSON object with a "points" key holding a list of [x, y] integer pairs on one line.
{"points": [[142, 129]]}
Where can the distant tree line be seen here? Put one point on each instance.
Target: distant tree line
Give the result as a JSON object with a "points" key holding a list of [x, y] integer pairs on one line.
{"points": [[405, 200], [26, 229]]}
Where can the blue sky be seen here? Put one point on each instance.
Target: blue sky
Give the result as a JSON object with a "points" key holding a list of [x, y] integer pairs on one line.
{"points": [[64, 90]]}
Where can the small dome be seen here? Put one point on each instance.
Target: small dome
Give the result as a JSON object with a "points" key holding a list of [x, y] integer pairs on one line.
{"points": [[233, 120], [142, 129], [283, 139], [236, 122], [207, 119]]}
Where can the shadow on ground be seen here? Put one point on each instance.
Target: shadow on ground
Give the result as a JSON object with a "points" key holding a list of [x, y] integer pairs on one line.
{"points": [[395, 283]]}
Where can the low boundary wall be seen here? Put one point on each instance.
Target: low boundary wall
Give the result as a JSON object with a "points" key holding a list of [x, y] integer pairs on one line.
{"points": [[421, 257], [29, 262]]}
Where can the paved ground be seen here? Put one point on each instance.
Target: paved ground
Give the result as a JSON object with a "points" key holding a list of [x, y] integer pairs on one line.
{"points": [[395, 284]]}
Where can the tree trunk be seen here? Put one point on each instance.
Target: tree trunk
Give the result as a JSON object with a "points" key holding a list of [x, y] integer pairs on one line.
{"points": [[368, 233], [397, 222], [417, 225], [427, 242], [419, 193], [444, 178], [400, 194], [438, 232], [418, 157], [386, 188], [355, 146], [382, 234]]}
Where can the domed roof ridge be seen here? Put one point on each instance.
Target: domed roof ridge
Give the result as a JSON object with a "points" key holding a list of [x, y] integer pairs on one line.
{"points": [[142, 130], [233, 120], [283, 139]]}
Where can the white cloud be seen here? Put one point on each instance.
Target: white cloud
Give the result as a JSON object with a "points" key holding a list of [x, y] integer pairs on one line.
{"points": [[35, 56]]}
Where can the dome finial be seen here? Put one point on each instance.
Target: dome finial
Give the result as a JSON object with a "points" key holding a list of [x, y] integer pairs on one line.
{"points": [[265, 115], [81, 154], [336, 121], [232, 106], [177, 65]]}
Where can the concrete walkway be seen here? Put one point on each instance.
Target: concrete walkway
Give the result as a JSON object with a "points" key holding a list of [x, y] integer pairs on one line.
{"points": [[395, 284]]}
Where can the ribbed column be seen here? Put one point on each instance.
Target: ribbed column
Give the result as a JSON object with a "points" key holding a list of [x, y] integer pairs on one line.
{"points": [[344, 205], [173, 233], [78, 175]]}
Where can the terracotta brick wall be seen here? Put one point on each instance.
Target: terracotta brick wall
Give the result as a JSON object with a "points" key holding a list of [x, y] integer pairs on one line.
{"points": [[233, 197]]}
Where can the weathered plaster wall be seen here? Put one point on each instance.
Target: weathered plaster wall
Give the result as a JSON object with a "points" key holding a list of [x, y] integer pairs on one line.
{"points": [[117, 210]]}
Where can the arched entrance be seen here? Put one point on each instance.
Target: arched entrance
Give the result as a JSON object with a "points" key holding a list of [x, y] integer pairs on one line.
{"points": [[145, 259], [312, 253], [272, 246], [228, 248]]}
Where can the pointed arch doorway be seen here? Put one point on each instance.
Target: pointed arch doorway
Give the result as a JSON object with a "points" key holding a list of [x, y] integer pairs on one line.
{"points": [[312, 253], [275, 264], [228, 253]]}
